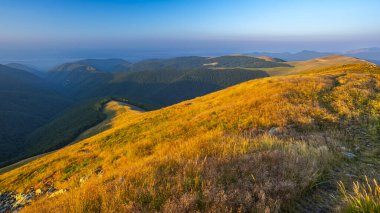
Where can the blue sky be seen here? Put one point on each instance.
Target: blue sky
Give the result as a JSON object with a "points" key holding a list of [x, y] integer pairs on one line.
{"points": [[66, 25]]}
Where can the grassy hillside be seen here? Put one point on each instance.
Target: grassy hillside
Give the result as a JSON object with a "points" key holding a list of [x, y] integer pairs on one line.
{"points": [[278, 143]]}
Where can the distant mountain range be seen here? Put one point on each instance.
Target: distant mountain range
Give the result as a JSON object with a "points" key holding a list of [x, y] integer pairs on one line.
{"points": [[370, 54], [120, 65], [364, 50], [26, 68], [299, 56], [179, 63], [157, 82]]}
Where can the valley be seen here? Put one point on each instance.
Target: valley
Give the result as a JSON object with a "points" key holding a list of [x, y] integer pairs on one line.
{"points": [[111, 109]]}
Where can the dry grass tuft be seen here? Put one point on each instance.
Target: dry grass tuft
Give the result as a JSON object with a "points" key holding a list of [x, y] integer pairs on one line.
{"points": [[364, 198]]}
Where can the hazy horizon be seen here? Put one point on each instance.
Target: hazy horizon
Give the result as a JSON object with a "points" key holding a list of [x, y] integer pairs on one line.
{"points": [[45, 33]]}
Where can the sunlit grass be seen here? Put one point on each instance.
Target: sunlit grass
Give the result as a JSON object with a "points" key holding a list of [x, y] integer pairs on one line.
{"points": [[212, 172], [364, 198]]}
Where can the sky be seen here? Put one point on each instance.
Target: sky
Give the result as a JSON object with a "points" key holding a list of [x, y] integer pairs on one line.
{"points": [[111, 28]]}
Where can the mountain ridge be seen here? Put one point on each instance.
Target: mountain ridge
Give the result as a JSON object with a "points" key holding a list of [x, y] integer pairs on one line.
{"points": [[372, 53]]}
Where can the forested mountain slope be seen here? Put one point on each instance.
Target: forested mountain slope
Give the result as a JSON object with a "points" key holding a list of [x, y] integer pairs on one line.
{"points": [[159, 82], [26, 104]]}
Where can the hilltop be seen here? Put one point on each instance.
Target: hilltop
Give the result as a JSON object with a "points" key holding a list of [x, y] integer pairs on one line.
{"points": [[261, 145]]}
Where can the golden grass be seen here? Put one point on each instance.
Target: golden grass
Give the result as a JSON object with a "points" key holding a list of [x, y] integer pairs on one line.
{"points": [[365, 196], [211, 153], [228, 174]]}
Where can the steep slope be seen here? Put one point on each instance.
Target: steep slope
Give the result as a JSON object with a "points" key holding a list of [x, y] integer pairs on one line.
{"points": [[26, 104], [65, 128], [259, 145]]}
